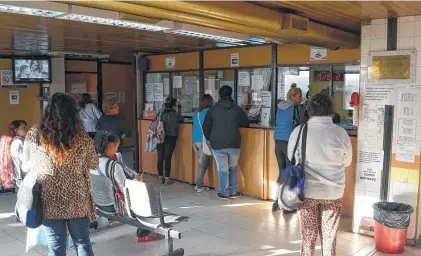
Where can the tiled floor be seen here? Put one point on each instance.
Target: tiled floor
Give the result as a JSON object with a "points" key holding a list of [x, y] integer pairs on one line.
{"points": [[236, 228]]}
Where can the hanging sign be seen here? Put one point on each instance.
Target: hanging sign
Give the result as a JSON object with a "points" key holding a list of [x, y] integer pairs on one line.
{"points": [[235, 59], [318, 53], [7, 80], [170, 62]]}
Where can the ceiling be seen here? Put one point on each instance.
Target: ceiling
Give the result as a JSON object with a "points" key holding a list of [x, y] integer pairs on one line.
{"points": [[32, 35], [346, 15]]}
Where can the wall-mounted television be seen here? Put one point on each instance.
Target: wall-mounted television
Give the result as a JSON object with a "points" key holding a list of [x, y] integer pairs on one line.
{"points": [[31, 70]]}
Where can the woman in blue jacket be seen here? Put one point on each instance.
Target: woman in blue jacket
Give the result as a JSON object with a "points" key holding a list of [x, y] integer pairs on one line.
{"points": [[206, 102], [289, 115]]}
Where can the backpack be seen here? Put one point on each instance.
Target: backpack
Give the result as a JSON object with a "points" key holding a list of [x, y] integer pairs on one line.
{"points": [[118, 194], [28, 207], [156, 134]]}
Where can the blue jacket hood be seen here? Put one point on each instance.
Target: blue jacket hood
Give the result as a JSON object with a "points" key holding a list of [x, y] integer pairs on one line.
{"points": [[285, 104]]}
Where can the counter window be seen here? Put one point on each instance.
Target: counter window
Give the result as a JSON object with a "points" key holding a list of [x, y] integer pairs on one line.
{"points": [[289, 75], [186, 90], [254, 94], [345, 83], [157, 88], [215, 79]]}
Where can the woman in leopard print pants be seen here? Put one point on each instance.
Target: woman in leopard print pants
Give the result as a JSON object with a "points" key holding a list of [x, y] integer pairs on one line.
{"points": [[328, 152]]}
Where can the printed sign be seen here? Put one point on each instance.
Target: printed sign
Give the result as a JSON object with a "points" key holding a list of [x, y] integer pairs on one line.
{"points": [[170, 62], [7, 80], [235, 59], [177, 82], [244, 78], [121, 97], [318, 53], [78, 87], [110, 95], [14, 97]]}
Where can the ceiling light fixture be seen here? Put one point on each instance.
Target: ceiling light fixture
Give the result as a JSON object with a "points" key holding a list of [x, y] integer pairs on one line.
{"points": [[29, 11], [79, 55]]}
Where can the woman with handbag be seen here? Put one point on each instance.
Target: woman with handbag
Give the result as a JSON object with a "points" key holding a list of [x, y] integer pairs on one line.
{"points": [[200, 145], [328, 151]]}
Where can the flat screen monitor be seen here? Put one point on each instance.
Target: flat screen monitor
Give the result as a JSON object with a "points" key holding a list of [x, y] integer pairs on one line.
{"points": [[27, 70]]}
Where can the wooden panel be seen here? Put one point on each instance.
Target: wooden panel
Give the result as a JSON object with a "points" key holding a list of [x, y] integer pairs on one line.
{"points": [[182, 160], [405, 165], [350, 172], [272, 170], [120, 78], [183, 61], [289, 54], [28, 108], [81, 66], [249, 57], [148, 160]]}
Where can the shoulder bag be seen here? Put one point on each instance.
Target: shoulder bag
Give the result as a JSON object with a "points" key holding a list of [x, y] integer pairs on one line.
{"points": [[206, 148]]}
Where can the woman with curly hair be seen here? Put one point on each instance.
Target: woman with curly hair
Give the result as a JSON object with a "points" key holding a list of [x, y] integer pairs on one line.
{"points": [[11, 145], [62, 155]]}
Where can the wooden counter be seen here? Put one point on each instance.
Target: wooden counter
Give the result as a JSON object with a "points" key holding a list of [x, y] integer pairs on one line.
{"points": [[257, 170]]}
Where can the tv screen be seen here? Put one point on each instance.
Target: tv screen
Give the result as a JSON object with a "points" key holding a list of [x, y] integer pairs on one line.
{"points": [[31, 70]]}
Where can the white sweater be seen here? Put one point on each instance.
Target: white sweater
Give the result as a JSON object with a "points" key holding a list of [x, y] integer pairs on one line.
{"points": [[328, 152], [90, 116]]}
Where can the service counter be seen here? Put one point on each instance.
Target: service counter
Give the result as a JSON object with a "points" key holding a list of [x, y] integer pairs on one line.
{"points": [[257, 170]]}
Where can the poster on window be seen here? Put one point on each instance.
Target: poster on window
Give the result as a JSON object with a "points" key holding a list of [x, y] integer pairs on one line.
{"points": [[257, 82], [244, 78], [177, 82]]}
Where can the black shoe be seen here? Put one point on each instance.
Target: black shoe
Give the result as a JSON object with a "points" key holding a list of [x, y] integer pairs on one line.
{"points": [[275, 206], [285, 212], [235, 196], [222, 197]]}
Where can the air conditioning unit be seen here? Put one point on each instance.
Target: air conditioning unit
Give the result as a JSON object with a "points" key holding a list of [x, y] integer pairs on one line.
{"points": [[292, 21]]}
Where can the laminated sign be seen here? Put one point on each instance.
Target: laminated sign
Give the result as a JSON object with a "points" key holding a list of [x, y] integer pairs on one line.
{"points": [[235, 59], [170, 62]]}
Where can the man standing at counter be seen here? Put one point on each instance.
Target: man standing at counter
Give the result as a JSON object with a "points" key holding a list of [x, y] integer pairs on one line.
{"points": [[222, 128]]}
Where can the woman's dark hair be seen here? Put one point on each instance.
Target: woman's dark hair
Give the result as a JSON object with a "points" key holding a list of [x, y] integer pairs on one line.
{"points": [[170, 102], [320, 105], [59, 127], [85, 99], [225, 91], [39, 68], [205, 102], [103, 139], [6, 162]]}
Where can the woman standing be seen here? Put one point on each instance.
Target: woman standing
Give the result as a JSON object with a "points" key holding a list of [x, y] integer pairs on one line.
{"points": [[328, 152], [89, 114], [288, 116], [62, 154], [12, 167], [206, 102], [171, 119]]}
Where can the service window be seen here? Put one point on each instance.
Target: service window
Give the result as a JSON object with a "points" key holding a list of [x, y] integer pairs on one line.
{"points": [[293, 75], [215, 79], [346, 80], [157, 88], [186, 90]]}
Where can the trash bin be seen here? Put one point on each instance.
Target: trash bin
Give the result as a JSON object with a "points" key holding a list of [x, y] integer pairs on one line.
{"points": [[391, 227]]}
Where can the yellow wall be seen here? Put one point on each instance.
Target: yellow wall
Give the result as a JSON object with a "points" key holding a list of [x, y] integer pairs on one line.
{"points": [[183, 61], [248, 57]]}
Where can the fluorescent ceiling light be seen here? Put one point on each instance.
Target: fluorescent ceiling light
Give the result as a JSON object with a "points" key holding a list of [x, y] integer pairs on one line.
{"points": [[29, 11], [77, 54]]}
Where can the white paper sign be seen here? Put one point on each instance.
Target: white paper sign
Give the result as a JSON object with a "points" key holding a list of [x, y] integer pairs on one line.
{"points": [[121, 97], [148, 107], [211, 83], [235, 59], [379, 94], [149, 92], [170, 62], [166, 86], [78, 87], [110, 95], [14, 97], [7, 80], [266, 98], [158, 92], [355, 116], [177, 82], [243, 78], [257, 82], [370, 166], [189, 85], [318, 53], [265, 117]]}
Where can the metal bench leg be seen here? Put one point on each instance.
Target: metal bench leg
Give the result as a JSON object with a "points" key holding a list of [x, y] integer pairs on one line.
{"points": [[170, 246]]}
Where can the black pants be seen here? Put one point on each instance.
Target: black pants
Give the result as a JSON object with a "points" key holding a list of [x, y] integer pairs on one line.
{"points": [[281, 152], [165, 151], [92, 134]]}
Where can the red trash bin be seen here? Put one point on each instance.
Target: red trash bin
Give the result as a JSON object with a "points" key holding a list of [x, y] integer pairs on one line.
{"points": [[389, 240]]}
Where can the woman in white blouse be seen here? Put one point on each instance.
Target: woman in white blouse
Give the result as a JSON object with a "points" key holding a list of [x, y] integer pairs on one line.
{"points": [[328, 152], [89, 114]]}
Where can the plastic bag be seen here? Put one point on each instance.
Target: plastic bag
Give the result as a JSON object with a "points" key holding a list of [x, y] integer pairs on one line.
{"points": [[36, 237], [291, 194], [150, 147], [392, 215]]}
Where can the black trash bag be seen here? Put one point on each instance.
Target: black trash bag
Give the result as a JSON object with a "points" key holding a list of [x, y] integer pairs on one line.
{"points": [[392, 215]]}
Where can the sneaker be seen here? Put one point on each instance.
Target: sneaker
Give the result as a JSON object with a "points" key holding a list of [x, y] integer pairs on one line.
{"points": [[168, 182], [235, 196], [202, 189], [161, 180], [284, 212], [275, 206], [222, 197], [145, 239]]}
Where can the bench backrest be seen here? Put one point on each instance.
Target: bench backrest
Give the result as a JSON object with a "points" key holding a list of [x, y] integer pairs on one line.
{"points": [[143, 199], [103, 193]]}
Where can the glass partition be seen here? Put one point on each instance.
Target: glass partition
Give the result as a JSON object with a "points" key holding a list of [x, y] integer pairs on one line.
{"points": [[157, 88], [254, 94], [289, 75], [345, 82], [186, 90], [215, 79]]}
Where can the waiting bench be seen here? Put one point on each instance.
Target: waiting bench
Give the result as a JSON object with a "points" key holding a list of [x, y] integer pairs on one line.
{"points": [[143, 205]]}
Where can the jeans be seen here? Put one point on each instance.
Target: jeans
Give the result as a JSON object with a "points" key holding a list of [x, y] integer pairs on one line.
{"points": [[226, 163], [203, 163], [56, 233], [165, 151], [281, 153]]}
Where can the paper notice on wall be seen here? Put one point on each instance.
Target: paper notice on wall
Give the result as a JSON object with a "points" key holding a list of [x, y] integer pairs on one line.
{"points": [[355, 116], [265, 117], [14, 97], [243, 78], [110, 95], [166, 86], [211, 83], [370, 165], [408, 119], [257, 82], [318, 53], [121, 97], [235, 59], [372, 119], [6, 80], [158, 92], [379, 94], [266, 98], [149, 92], [78, 87], [148, 106], [177, 82], [189, 85]]}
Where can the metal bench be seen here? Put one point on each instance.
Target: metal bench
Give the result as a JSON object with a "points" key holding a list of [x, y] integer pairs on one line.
{"points": [[143, 207]]}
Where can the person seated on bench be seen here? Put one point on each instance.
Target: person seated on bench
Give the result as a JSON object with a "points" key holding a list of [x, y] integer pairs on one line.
{"points": [[107, 145]]}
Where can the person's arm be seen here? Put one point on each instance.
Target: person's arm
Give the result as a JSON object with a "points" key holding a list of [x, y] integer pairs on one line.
{"points": [[129, 172], [348, 151], [207, 125], [243, 119], [119, 175], [92, 160], [292, 141], [95, 111]]}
